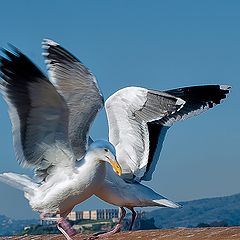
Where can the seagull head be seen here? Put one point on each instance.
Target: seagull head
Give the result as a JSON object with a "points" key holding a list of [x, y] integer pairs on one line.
{"points": [[105, 151]]}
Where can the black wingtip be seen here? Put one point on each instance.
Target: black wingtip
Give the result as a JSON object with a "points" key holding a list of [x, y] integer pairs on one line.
{"points": [[12, 60], [225, 88], [56, 50], [13, 47], [10, 55], [13, 50]]}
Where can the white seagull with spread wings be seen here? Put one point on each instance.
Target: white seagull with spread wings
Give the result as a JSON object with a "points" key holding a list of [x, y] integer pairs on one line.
{"points": [[51, 120], [49, 135], [138, 120]]}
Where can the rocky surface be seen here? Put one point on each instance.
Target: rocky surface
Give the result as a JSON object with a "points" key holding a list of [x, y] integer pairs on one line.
{"points": [[227, 233]]}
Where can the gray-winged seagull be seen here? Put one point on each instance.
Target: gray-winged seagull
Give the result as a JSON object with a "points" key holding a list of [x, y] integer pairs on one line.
{"points": [[138, 120], [49, 136]]}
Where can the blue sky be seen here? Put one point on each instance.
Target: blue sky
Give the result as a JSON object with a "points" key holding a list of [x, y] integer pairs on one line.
{"points": [[153, 44]]}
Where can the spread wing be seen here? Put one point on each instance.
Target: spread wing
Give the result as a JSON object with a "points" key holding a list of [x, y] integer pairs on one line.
{"points": [[79, 88], [139, 140], [198, 99], [129, 113], [38, 114]]}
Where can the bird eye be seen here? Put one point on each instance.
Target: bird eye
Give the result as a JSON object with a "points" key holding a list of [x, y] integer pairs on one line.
{"points": [[106, 150]]}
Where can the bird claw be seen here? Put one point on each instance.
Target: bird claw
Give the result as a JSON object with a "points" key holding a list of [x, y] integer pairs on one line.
{"points": [[115, 230]]}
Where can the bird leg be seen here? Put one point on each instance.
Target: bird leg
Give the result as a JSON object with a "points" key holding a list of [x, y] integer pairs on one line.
{"points": [[65, 228], [62, 224], [116, 229], [134, 215]]}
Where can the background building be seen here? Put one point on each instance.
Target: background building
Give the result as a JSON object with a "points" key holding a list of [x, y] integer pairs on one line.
{"points": [[104, 214], [74, 216], [97, 214]]}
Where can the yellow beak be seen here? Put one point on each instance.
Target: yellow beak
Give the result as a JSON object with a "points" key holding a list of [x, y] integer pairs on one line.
{"points": [[116, 167]]}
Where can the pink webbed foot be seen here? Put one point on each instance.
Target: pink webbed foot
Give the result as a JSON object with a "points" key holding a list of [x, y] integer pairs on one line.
{"points": [[65, 228], [62, 224], [115, 230]]}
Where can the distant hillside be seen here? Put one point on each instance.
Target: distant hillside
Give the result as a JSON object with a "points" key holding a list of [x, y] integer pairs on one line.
{"points": [[9, 226], [210, 210], [193, 213]]}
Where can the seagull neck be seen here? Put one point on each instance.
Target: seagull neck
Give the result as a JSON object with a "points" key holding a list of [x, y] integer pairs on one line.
{"points": [[92, 160], [95, 168]]}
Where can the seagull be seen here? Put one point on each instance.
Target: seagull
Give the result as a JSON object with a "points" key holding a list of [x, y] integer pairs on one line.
{"points": [[138, 120], [42, 126], [138, 138]]}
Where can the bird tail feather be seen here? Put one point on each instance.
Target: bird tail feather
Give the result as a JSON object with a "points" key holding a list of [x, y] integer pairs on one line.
{"points": [[21, 182], [167, 203]]}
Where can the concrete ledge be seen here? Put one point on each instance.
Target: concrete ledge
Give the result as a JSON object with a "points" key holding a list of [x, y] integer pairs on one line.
{"points": [[223, 233]]}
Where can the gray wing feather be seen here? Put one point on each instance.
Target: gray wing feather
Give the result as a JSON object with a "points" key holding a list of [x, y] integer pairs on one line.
{"points": [[38, 113], [79, 88], [129, 111], [198, 99], [139, 119]]}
